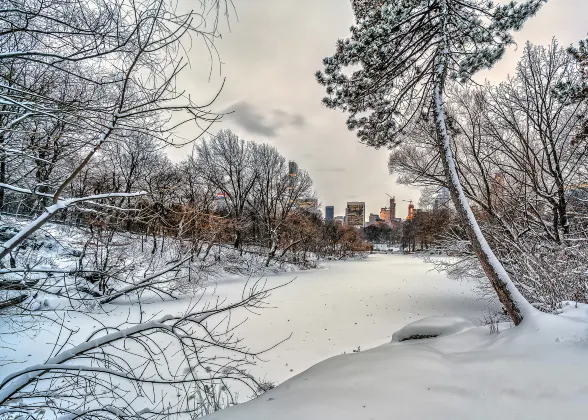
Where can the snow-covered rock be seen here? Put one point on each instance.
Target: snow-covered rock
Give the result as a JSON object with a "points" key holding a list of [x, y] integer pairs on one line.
{"points": [[435, 326]]}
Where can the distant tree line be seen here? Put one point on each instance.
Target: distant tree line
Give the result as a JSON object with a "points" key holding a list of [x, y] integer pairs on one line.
{"points": [[227, 191]]}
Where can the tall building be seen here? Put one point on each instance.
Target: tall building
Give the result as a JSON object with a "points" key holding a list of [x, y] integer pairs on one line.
{"points": [[355, 213], [373, 219], [392, 209], [309, 204], [329, 213], [385, 214], [411, 211], [442, 198], [292, 168]]}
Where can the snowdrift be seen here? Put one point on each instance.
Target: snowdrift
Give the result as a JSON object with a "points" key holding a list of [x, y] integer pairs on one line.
{"points": [[535, 371], [435, 326]]}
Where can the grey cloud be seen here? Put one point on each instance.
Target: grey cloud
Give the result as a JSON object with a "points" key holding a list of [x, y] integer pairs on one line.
{"points": [[269, 61], [253, 119]]}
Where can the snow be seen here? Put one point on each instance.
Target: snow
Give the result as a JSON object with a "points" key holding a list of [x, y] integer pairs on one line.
{"points": [[348, 305], [534, 371], [434, 326], [329, 311]]}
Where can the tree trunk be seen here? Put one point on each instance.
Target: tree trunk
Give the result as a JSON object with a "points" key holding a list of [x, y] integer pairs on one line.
{"points": [[270, 254], [563, 211], [2, 170], [237, 243], [511, 299], [272, 249], [515, 304]]}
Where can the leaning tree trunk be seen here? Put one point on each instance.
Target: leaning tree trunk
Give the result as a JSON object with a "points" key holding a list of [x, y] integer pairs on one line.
{"points": [[512, 300]]}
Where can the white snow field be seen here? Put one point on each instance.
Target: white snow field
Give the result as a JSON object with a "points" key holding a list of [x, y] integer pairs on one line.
{"points": [[537, 370], [347, 305], [534, 371], [344, 306]]}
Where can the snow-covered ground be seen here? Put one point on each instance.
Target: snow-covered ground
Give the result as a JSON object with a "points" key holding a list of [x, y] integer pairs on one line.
{"points": [[534, 371], [344, 306], [348, 305], [377, 305]]}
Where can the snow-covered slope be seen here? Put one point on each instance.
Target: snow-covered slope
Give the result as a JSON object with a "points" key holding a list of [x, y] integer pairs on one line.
{"points": [[535, 371]]}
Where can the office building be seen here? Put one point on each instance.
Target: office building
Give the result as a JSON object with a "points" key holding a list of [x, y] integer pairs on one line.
{"points": [[373, 219], [292, 168], [329, 213], [411, 211], [309, 204], [355, 213]]}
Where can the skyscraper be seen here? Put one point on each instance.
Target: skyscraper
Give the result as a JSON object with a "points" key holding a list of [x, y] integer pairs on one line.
{"points": [[442, 198], [373, 219], [355, 213], [392, 209], [411, 211], [292, 168], [329, 213], [385, 214]]}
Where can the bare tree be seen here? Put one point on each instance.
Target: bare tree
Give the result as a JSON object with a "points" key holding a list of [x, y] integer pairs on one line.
{"points": [[276, 194], [129, 371], [85, 84], [113, 68], [514, 147], [226, 162]]}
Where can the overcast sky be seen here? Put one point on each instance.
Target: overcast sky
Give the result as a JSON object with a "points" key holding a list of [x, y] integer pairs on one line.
{"points": [[268, 63]]}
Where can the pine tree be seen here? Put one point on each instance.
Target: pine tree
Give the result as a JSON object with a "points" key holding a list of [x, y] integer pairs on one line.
{"points": [[392, 71], [580, 93]]}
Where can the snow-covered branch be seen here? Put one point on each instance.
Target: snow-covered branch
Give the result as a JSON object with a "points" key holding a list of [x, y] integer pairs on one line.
{"points": [[49, 212]]}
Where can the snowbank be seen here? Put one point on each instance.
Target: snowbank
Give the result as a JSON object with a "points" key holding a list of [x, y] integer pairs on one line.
{"points": [[534, 371], [435, 326]]}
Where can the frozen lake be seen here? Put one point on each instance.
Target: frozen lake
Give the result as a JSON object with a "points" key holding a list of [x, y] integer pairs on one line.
{"points": [[329, 311], [346, 305]]}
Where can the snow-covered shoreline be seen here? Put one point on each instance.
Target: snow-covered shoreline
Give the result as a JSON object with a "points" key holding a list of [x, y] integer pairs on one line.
{"points": [[533, 371], [354, 307]]}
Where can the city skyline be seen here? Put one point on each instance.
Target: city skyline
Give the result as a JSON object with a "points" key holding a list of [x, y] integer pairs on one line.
{"points": [[385, 213], [274, 98]]}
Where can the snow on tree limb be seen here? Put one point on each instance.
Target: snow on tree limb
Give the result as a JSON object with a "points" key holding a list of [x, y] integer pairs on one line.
{"points": [[49, 212]]}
